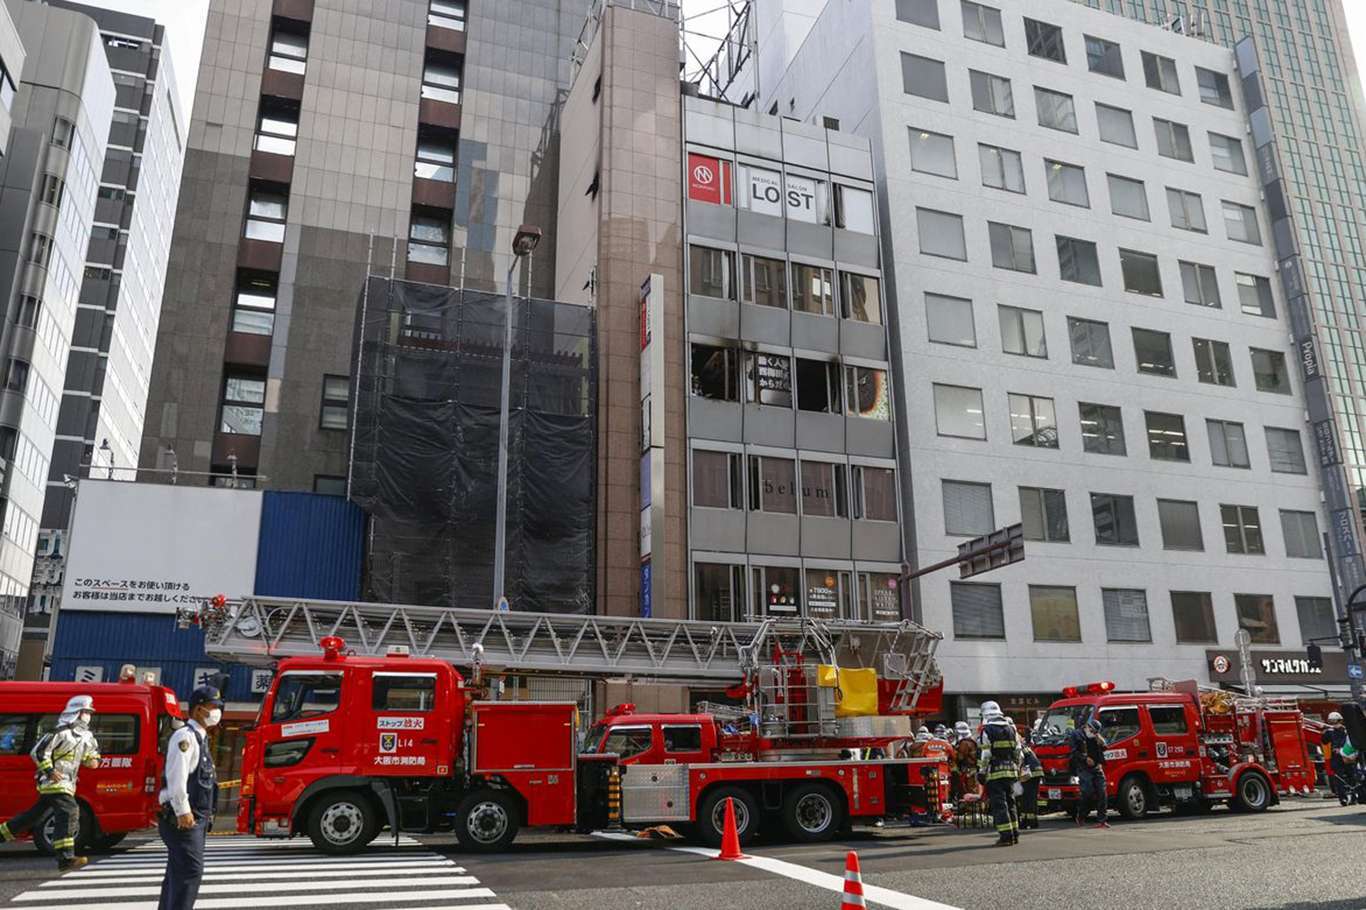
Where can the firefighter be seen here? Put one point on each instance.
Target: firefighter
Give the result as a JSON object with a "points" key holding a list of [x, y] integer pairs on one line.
{"points": [[189, 791], [59, 756], [999, 769], [1342, 773], [961, 731], [1087, 761], [1031, 774]]}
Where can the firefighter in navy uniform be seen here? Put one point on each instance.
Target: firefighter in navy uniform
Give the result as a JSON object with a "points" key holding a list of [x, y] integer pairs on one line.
{"points": [[1031, 774], [189, 792], [999, 768]]}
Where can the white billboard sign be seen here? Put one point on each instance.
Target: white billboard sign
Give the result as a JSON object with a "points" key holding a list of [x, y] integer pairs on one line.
{"points": [[144, 548]]}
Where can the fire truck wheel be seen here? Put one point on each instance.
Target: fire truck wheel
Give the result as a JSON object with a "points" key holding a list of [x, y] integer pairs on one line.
{"points": [[1254, 793], [106, 842], [487, 820], [1133, 798], [812, 812], [711, 815], [342, 821]]}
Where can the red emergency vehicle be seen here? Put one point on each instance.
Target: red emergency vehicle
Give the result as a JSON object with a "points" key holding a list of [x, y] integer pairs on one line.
{"points": [[1181, 746], [132, 722]]}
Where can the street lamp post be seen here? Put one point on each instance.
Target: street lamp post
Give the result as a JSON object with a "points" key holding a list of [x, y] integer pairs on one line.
{"points": [[522, 244]]}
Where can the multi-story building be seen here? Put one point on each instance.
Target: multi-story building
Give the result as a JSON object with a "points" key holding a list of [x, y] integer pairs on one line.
{"points": [[51, 172], [11, 68], [1090, 335], [100, 418]]}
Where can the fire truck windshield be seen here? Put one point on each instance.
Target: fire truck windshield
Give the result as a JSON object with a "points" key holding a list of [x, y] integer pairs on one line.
{"points": [[1060, 721], [306, 695]]}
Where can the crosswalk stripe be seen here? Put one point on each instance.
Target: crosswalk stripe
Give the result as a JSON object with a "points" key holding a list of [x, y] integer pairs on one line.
{"points": [[149, 859], [407, 867], [233, 903], [398, 876], [95, 889]]}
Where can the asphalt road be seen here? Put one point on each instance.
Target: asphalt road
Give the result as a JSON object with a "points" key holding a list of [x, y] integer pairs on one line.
{"points": [[1305, 854]]}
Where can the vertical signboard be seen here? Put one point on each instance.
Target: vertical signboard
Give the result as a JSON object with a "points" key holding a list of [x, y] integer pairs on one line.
{"points": [[652, 434]]}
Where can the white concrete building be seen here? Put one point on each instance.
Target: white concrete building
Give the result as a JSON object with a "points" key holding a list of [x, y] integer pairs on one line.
{"points": [[1092, 338]]}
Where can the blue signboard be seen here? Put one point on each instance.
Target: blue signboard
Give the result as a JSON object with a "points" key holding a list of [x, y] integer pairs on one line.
{"points": [[646, 608]]}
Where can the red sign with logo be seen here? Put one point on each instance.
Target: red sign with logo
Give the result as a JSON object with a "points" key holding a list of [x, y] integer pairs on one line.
{"points": [[709, 179]]}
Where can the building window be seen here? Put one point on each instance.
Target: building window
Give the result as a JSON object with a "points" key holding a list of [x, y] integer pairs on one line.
{"points": [[1044, 40], [1285, 451], [52, 190], [1227, 153], [1012, 247], [853, 209], [880, 596], [1257, 615], [711, 272], [1242, 530], [1033, 421], [874, 493], [1254, 295], [1268, 369], [1022, 332], [243, 405], [977, 612], [1160, 73], [1213, 362], [266, 213], [768, 379], [336, 405], [924, 77], [818, 386], [39, 249], [1199, 284], [1056, 110], [1078, 261], [772, 485], [813, 289], [288, 51], [1104, 57], [715, 372], [277, 128], [763, 282], [1114, 520], [1167, 437], [7, 89], [919, 12], [1180, 523], [1054, 613], [435, 158], [1116, 125], [1102, 429], [1090, 343], [1241, 222], [1066, 183], [16, 376], [447, 14], [1318, 620], [1002, 169], [1187, 210], [932, 153], [958, 412], [254, 306], [941, 234], [29, 310], [869, 393], [823, 490], [1227, 444], [718, 591], [1153, 352], [1214, 88], [1126, 614], [950, 320], [1141, 273], [716, 480], [1044, 514], [63, 132], [1173, 140], [827, 594], [441, 82], [967, 509], [429, 239], [775, 590], [1193, 615], [983, 23], [1301, 533], [991, 94], [329, 485], [861, 297]]}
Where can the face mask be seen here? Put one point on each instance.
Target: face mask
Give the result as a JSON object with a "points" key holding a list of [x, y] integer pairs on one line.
{"points": [[215, 715], [83, 719]]}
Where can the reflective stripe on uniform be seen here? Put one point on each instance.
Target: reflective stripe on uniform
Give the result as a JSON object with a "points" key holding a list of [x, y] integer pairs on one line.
{"points": [[64, 842]]}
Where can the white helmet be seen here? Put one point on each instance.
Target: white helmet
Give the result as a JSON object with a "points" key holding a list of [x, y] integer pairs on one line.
{"points": [[75, 706], [1334, 717], [962, 729], [922, 735], [991, 711]]}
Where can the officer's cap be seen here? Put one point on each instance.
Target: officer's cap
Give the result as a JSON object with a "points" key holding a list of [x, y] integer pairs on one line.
{"points": [[206, 695]]}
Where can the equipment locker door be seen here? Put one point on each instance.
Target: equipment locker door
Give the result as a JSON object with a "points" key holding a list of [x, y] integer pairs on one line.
{"points": [[1175, 750], [410, 735]]}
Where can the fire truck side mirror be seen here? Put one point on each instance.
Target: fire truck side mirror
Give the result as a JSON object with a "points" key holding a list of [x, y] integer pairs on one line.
{"points": [[1315, 657]]}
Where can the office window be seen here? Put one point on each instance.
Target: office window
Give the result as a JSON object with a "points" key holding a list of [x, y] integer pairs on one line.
{"points": [[1012, 247], [449, 14], [441, 82], [768, 379], [1054, 613], [950, 320], [53, 187], [435, 158], [1241, 222], [772, 485], [40, 248], [875, 493], [919, 12], [1173, 140], [715, 372], [818, 386], [718, 592], [254, 305], [1141, 273], [1090, 343], [1126, 614], [1254, 295], [1257, 615], [1044, 515], [1285, 451], [991, 94], [1114, 520], [868, 392], [1078, 260], [924, 77], [288, 52], [1116, 126], [1180, 523], [1002, 169], [1033, 421], [1227, 153], [823, 490], [1104, 57], [1227, 444], [243, 405], [335, 412], [1167, 436], [941, 234], [266, 213], [1022, 332], [1317, 617], [977, 612], [1213, 362], [1199, 284], [967, 509], [1214, 88], [932, 153], [711, 272], [1193, 615], [1268, 369], [1066, 183], [329, 485], [763, 282], [958, 412], [1242, 530], [1102, 429], [813, 289], [1128, 197], [277, 127], [62, 132], [1056, 110], [983, 23], [1044, 40], [1160, 73], [1187, 210], [775, 590], [853, 209], [861, 297], [716, 480], [1301, 533], [429, 239]]}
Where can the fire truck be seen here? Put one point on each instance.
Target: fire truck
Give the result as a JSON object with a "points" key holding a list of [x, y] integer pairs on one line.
{"points": [[368, 723], [1181, 745]]}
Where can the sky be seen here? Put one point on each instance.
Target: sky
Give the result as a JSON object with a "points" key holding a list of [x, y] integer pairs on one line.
{"points": [[184, 21], [1356, 26]]}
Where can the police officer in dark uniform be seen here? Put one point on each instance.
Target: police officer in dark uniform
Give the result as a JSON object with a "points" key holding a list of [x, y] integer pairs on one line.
{"points": [[999, 768], [189, 792]]}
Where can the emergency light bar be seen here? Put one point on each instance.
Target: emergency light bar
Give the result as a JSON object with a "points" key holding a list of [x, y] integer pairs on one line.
{"points": [[1095, 688]]}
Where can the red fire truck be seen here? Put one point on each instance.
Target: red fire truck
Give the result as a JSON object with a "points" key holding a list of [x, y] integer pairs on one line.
{"points": [[1181, 745]]}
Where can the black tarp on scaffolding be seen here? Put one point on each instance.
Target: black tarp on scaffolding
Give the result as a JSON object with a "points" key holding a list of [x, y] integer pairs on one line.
{"points": [[424, 447]]}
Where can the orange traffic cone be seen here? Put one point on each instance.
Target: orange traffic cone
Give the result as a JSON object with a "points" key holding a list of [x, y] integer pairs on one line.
{"points": [[730, 837], [853, 884]]}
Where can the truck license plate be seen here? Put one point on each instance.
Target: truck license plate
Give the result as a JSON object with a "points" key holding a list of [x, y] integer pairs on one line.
{"points": [[1054, 793]]}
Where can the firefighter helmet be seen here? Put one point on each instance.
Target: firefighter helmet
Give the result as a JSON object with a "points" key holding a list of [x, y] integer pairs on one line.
{"points": [[991, 711], [1334, 717]]}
